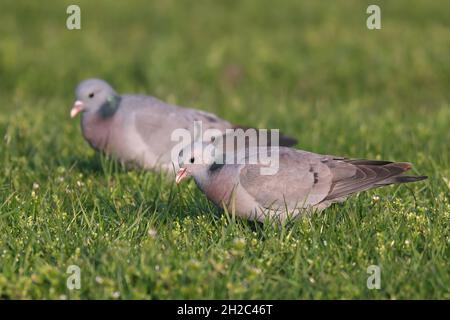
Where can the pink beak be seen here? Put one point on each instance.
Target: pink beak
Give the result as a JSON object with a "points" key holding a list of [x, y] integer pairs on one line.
{"points": [[181, 174], [77, 107]]}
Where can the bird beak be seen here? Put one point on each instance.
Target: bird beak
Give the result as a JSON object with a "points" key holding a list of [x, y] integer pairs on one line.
{"points": [[77, 107], [181, 174]]}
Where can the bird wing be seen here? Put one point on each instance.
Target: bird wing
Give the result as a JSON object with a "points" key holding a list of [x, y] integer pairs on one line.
{"points": [[363, 175], [155, 120], [302, 180], [307, 179]]}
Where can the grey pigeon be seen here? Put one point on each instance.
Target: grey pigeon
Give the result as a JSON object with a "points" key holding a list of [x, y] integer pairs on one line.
{"points": [[304, 182], [137, 128]]}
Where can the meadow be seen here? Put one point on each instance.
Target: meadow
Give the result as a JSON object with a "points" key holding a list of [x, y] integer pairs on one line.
{"points": [[310, 68]]}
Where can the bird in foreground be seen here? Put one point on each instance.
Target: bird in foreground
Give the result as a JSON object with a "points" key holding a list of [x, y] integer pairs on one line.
{"points": [[304, 182], [137, 128]]}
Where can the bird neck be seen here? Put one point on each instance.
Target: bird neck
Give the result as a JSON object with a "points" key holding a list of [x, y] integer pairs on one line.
{"points": [[201, 179], [97, 129]]}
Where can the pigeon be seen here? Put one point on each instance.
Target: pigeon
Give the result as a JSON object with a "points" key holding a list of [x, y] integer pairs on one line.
{"points": [[137, 129], [304, 182]]}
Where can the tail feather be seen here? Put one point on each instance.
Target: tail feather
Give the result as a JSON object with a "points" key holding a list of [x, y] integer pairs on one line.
{"points": [[405, 166], [401, 179]]}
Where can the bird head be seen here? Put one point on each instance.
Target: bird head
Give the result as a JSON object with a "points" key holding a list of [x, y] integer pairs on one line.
{"points": [[195, 160], [92, 95]]}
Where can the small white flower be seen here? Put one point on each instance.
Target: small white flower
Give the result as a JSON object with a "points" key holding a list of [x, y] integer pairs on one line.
{"points": [[35, 186], [152, 232], [99, 279], [375, 198], [116, 294]]}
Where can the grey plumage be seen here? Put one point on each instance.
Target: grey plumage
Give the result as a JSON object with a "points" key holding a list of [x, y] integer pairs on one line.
{"points": [[304, 180], [136, 128]]}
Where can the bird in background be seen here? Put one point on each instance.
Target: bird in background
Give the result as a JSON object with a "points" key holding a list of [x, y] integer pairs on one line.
{"points": [[137, 128], [304, 181]]}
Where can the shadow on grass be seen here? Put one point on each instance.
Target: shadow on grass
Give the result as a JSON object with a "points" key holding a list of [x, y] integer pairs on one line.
{"points": [[85, 165]]}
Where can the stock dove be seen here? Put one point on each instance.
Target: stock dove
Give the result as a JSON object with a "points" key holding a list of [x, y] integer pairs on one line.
{"points": [[137, 128], [304, 181]]}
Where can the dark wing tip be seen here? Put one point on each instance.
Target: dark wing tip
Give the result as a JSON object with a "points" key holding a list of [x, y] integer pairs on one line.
{"points": [[406, 179], [286, 141]]}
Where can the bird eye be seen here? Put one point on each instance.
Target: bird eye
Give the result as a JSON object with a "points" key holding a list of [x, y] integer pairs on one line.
{"points": [[91, 95], [191, 160]]}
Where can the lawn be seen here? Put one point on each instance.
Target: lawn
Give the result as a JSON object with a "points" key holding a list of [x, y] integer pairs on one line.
{"points": [[310, 68]]}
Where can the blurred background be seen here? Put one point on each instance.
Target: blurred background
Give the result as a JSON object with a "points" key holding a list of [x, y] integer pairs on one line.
{"points": [[311, 68]]}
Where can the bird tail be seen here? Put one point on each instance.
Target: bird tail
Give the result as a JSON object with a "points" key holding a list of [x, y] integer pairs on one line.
{"points": [[400, 178], [371, 174]]}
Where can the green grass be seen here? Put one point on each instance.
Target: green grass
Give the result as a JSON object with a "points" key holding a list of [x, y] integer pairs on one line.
{"points": [[311, 68]]}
